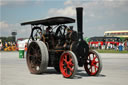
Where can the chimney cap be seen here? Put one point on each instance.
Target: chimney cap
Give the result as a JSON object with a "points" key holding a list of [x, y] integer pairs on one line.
{"points": [[79, 7]]}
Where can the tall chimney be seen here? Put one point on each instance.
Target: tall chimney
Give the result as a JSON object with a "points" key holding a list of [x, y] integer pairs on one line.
{"points": [[79, 11]]}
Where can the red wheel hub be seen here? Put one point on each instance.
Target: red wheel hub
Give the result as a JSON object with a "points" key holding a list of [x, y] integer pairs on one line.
{"points": [[92, 64], [66, 65]]}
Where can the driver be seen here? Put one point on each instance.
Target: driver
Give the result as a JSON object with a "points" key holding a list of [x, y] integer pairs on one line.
{"points": [[48, 29], [69, 32]]}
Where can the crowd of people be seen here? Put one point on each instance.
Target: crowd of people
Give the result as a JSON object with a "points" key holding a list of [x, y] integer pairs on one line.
{"points": [[116, 46], [12, 46], [8, 46]]}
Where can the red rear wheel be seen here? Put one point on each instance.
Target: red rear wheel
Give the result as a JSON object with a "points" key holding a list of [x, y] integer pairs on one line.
{"points": [[93, 64], [68, 64]]}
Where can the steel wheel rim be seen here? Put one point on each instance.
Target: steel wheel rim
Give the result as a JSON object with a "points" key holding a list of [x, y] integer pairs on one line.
{"points": [[66, 65], [34, 58], [92, 63]]}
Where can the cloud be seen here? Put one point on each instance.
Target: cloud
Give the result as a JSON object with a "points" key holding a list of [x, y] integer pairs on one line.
{"points": [[92, 8], [68, 2], [4, 24], [98, 30], [18, 2], [2, 3], [109, 7], [98, 15], [68, 11], [6, 29], [12, 2]]}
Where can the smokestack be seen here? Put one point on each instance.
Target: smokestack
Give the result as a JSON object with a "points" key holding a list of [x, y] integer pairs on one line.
{"points": [[79, 11]]}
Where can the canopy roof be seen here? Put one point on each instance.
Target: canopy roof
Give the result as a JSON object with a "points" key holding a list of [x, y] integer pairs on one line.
{"points": [[51, 21]]}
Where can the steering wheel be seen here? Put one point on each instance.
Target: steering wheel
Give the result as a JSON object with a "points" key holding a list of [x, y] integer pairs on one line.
{"points": [[60, 31]]}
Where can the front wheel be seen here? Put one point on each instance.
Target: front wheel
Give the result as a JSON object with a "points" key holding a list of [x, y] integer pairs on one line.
{"points": [[93, 64], [68, 64]]}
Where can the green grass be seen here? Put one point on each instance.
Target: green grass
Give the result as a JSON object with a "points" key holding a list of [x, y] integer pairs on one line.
{"points": [[112, 51]]}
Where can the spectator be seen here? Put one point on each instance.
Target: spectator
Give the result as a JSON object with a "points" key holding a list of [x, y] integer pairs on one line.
{"points": [[120, 46], [99, 45], [127, 44], [93, 45], [108, 45], [115, 46], [111, 46], [123, 45], [103, 46], [96, 46], [1, 45]]}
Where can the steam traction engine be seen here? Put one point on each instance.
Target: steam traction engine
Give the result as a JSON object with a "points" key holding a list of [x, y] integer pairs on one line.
{"points": [[54, 44]]}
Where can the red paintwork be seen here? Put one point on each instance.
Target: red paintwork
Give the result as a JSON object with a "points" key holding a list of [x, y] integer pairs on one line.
{"points": [[94, 64], [111, 42], [66, 66], [96, 42]]}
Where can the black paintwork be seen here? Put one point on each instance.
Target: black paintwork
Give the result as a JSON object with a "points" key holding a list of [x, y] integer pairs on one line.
{"points": [[54, 41], [51, 21]]}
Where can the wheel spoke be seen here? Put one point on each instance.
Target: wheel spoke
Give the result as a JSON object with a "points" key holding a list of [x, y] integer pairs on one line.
{"points": [[70, 61], [72, 64], [39, 60], [93, 55], [68, 64], [91, 69], [65, 70], [32, 48], [62, 64], [34, 60], [70, 73], [32, 65], [70, 69], [35, 57], [92, 62], [97, 61], [94, 58], [96, 66], [30, 55], [65, 59], [38, 52]]}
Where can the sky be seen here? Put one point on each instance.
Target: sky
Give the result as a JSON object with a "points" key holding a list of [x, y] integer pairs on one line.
{"points": [[99, 15]]}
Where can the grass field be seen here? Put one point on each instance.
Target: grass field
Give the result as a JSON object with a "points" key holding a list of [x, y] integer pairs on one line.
{"points": [[112, 51]]}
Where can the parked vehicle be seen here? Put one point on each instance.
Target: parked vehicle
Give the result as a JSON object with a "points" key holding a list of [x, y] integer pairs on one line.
{"points": [[95, 41]]}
